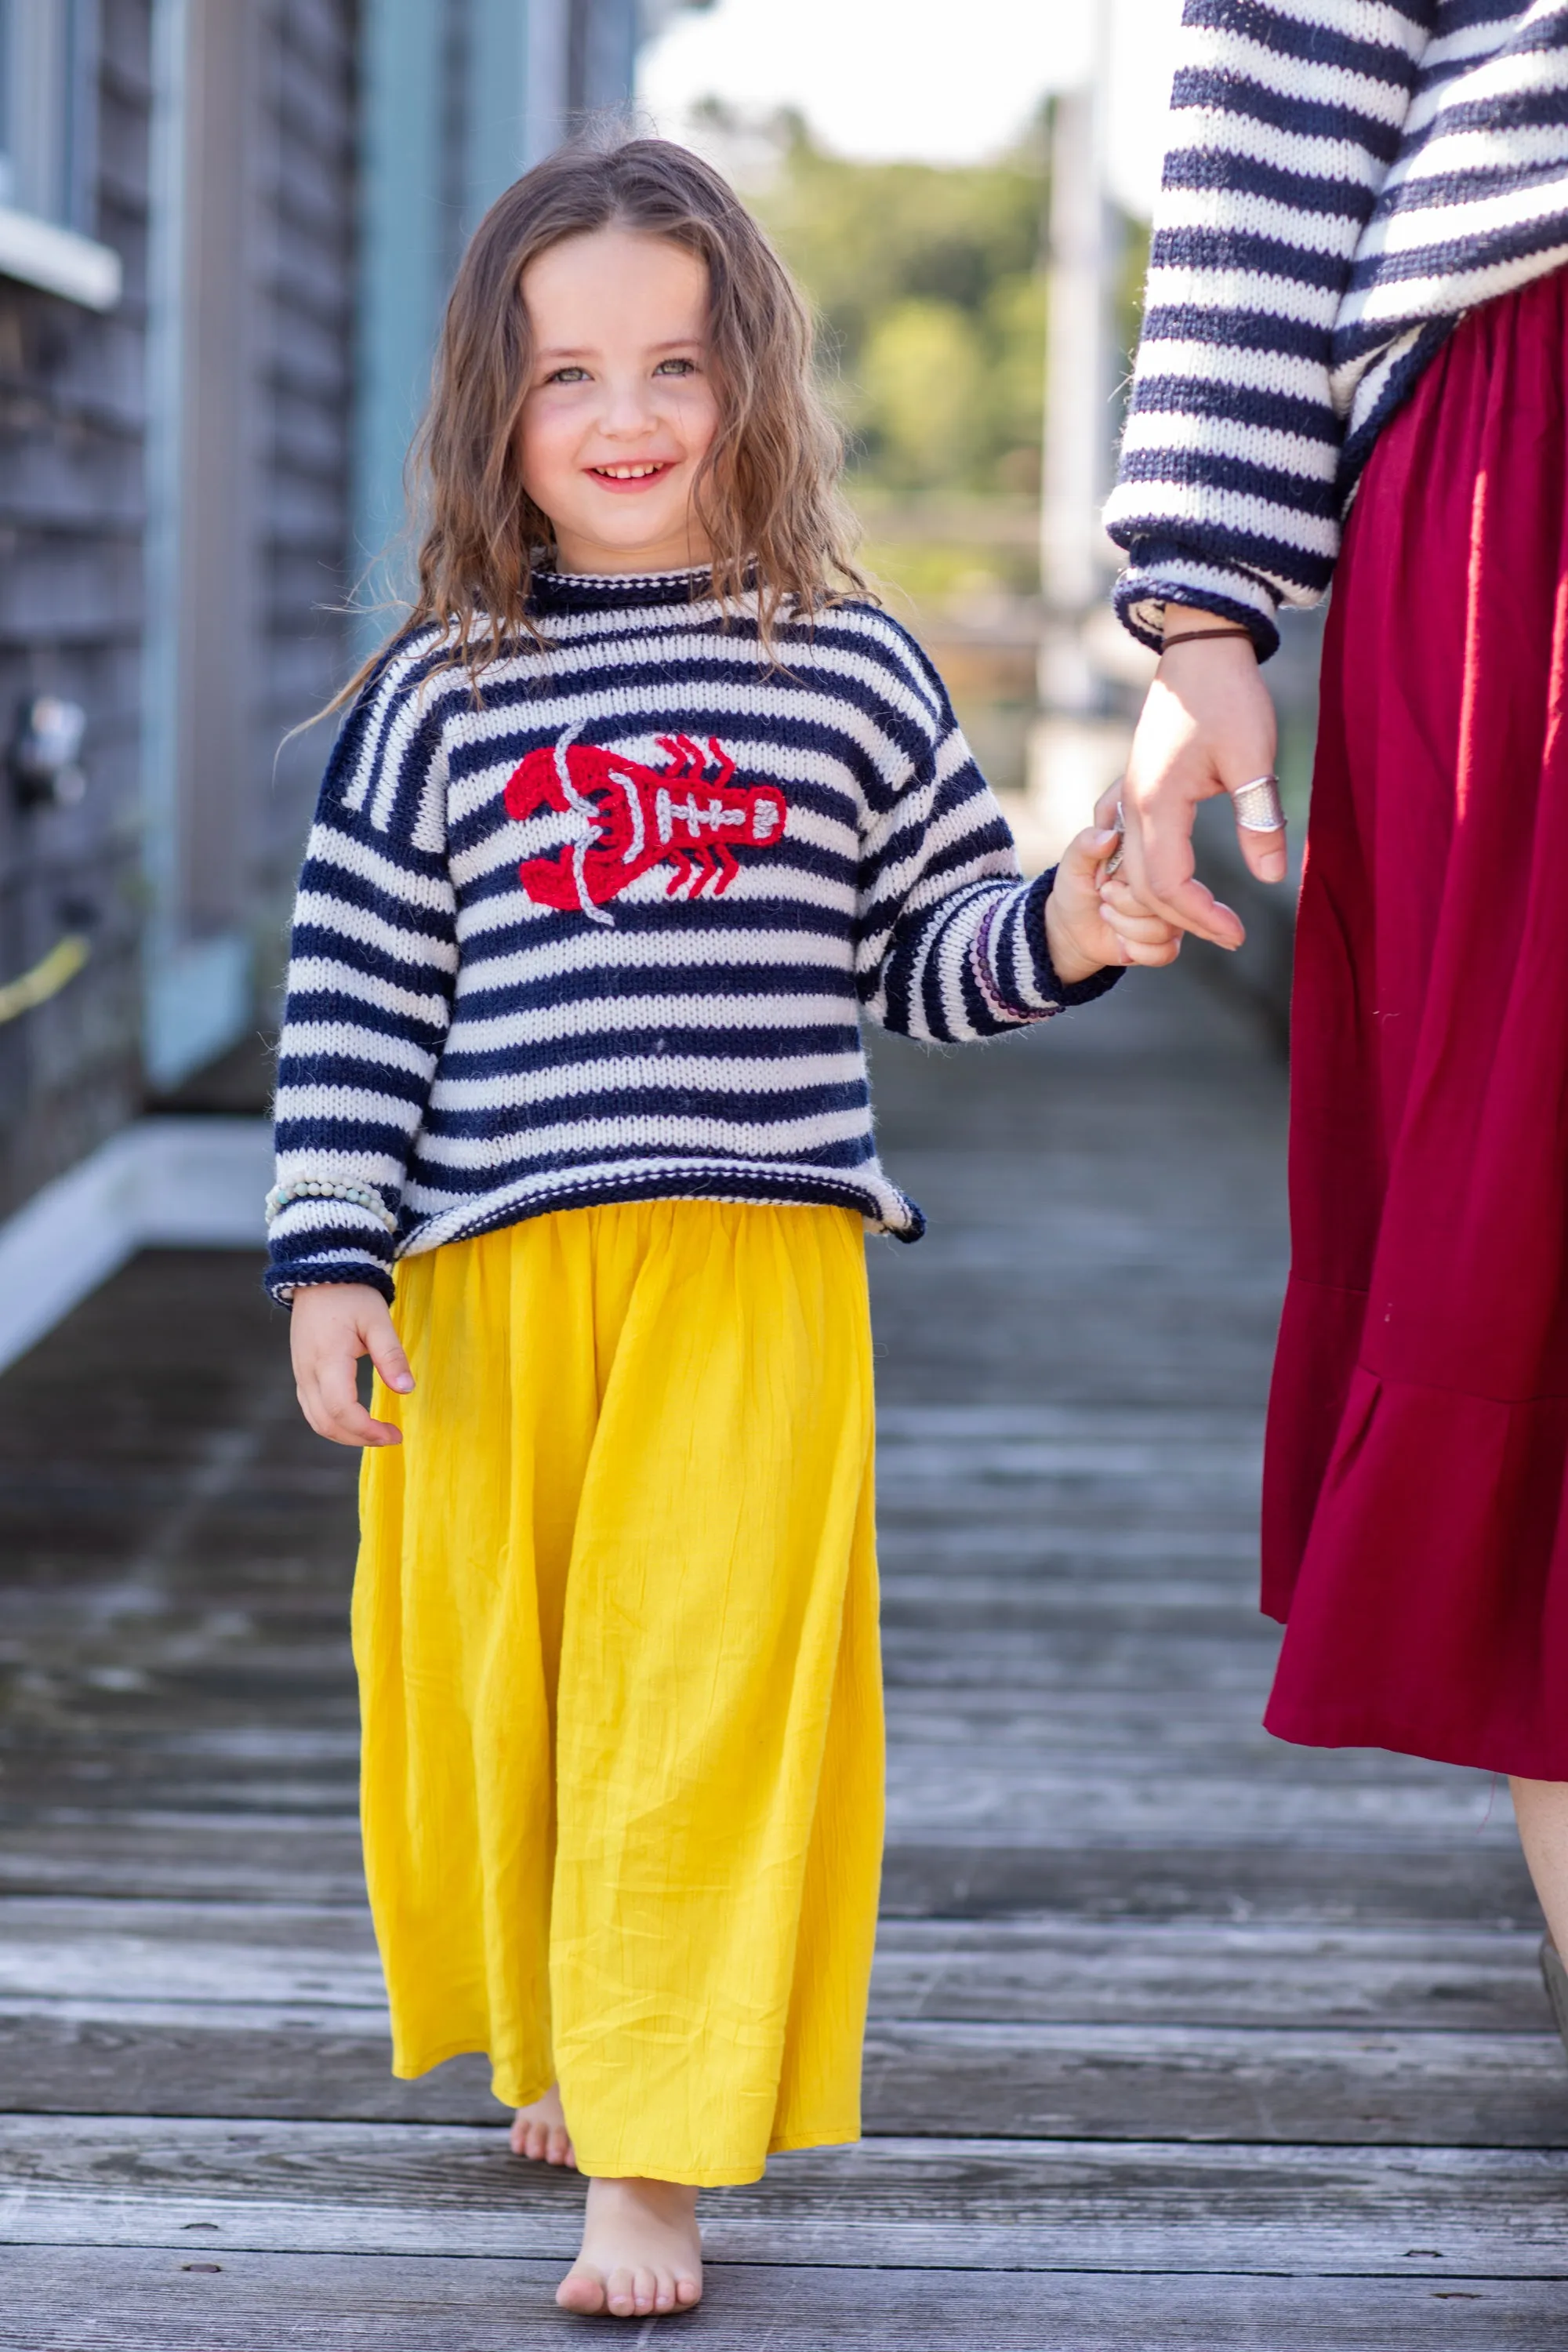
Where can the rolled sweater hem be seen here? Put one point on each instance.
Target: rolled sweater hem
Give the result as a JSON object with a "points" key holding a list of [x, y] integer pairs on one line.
{"points": [[885, 1209]]}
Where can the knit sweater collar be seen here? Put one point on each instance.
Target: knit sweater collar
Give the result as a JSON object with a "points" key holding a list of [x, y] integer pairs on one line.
{"points": [[616, 592]]}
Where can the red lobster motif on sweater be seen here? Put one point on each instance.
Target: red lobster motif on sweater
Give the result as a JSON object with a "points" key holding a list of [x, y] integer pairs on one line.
{"points": [[624, 818]]}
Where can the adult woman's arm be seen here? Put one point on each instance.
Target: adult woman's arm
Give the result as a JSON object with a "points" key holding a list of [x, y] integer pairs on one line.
{"points": [[1285, 116]]}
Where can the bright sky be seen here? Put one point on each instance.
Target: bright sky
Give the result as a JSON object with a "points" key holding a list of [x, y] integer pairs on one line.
{"points": [[925, 80]]}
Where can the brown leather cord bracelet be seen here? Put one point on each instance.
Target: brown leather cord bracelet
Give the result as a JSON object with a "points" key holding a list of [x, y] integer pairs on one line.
{"points": [[1196, 636]]}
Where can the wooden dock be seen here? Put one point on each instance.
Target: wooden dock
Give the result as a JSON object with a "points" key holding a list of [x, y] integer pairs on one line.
{"points": [[1181, 2038]]}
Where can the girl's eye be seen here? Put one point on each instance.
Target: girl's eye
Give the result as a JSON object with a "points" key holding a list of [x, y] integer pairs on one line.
{"points": [[567, 375], [676, 367]]}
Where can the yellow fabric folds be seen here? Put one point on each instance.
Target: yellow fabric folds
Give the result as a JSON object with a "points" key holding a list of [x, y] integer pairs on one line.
{"points": [[615, 1628]]}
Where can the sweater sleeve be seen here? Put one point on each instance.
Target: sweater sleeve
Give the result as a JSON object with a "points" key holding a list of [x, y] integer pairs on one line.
{"points": [[950, 939], [1285, 118], [373, 964]]}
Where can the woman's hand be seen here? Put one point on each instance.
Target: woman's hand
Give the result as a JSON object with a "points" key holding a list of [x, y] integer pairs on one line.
{"points": [[1093, 919], [332, 1326], [1207, 727]]}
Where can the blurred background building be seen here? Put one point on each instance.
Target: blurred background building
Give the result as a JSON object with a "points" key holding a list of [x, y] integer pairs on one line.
{"points": [[227, 231]]}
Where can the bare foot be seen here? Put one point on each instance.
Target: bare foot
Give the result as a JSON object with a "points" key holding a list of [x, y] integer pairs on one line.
{"points": [[540, 2131], [642, 2251]]}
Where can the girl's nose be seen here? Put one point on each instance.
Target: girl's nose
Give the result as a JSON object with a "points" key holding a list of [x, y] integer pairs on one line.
{"points": [[627, 411]]}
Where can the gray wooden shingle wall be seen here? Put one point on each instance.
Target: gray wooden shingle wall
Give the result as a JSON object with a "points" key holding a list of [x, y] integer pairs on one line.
{"points": [[72, 528], [307, 153], [70, 623]]}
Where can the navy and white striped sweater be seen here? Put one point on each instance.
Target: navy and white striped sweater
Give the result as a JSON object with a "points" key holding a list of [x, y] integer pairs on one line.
{"points": [[608, 937], [1344, 178]]}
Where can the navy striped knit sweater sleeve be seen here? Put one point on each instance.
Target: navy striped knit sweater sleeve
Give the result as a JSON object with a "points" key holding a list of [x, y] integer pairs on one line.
{"points": [[1344, 179], [608, 934]]}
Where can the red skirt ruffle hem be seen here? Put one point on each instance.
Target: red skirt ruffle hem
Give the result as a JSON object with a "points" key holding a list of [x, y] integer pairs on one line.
{"points": [[1415, 1494]]}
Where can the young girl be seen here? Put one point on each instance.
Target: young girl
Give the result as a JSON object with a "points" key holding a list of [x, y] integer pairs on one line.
{"points": [[623, 834]]}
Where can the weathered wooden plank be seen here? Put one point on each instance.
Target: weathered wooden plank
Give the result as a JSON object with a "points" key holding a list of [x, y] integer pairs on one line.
{"points": [[259, 1858], [934, 1796], [965, 2204], [1022, 1971], [1175, 1430], [225, 1858], [1033, 1592], [921, 1547], [126, 2300], [1126, 1744], [1474, 1886], [1003, 1971], [1364, 2087], [208, 1952], [1114, 1659]]}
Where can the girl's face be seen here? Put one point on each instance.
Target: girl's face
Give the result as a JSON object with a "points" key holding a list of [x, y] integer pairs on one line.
{"points": [[620, 410]]}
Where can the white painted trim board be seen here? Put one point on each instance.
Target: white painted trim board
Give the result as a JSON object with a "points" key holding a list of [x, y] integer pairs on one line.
{"points": [[160, 1183], [41, 253]]}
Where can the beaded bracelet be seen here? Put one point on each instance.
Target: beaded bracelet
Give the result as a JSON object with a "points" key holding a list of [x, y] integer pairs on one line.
{"points": [[327, 1187]]}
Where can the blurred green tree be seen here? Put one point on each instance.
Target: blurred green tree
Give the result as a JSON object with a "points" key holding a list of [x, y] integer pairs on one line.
{"points": [[925, 393], [928, 283]]}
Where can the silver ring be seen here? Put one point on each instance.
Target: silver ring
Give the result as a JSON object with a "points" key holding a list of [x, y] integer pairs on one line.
{"points": [[1258, 808], [1113, 862]]}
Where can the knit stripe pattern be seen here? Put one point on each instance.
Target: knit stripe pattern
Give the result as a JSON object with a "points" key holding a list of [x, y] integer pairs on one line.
{"points": [[608, 934], [1345, 177]]}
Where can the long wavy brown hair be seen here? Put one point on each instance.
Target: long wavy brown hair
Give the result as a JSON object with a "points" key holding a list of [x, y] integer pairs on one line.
{"points": [[767, 493]]}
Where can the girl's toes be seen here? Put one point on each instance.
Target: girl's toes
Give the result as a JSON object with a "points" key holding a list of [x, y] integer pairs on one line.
{"points": [[647, 2291], [582, 2291], [664, 2294], [621, 2293], [688, 2291]]}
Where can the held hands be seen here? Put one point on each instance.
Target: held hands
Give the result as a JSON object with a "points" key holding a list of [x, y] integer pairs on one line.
{"points": [[1207, 727], [332, 1326], [1093, 919]]}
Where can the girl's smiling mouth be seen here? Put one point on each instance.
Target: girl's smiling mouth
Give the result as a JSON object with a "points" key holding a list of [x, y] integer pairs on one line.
{"points": [[636, 473]]}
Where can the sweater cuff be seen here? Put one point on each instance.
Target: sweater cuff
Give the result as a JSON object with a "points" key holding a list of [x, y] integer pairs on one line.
{"points": [[1161, 574], [1062, 993], [281, 1282], [313, 1239]]}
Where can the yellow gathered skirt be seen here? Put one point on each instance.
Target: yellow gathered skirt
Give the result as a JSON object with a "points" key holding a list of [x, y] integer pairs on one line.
{"points": [[615, 1628]]}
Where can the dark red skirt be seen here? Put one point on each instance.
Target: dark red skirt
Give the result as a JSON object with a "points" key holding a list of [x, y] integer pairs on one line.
{"points": [[1415, 1494]]}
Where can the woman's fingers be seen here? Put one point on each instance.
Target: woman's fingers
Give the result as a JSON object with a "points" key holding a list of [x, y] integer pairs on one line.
{"points": [[1207, 724], [1157, 859], [1264, 852]]}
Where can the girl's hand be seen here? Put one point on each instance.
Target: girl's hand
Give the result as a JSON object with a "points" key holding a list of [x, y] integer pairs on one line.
{"points": [[332, 1326], [1093, 919], [1207, 727]]}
